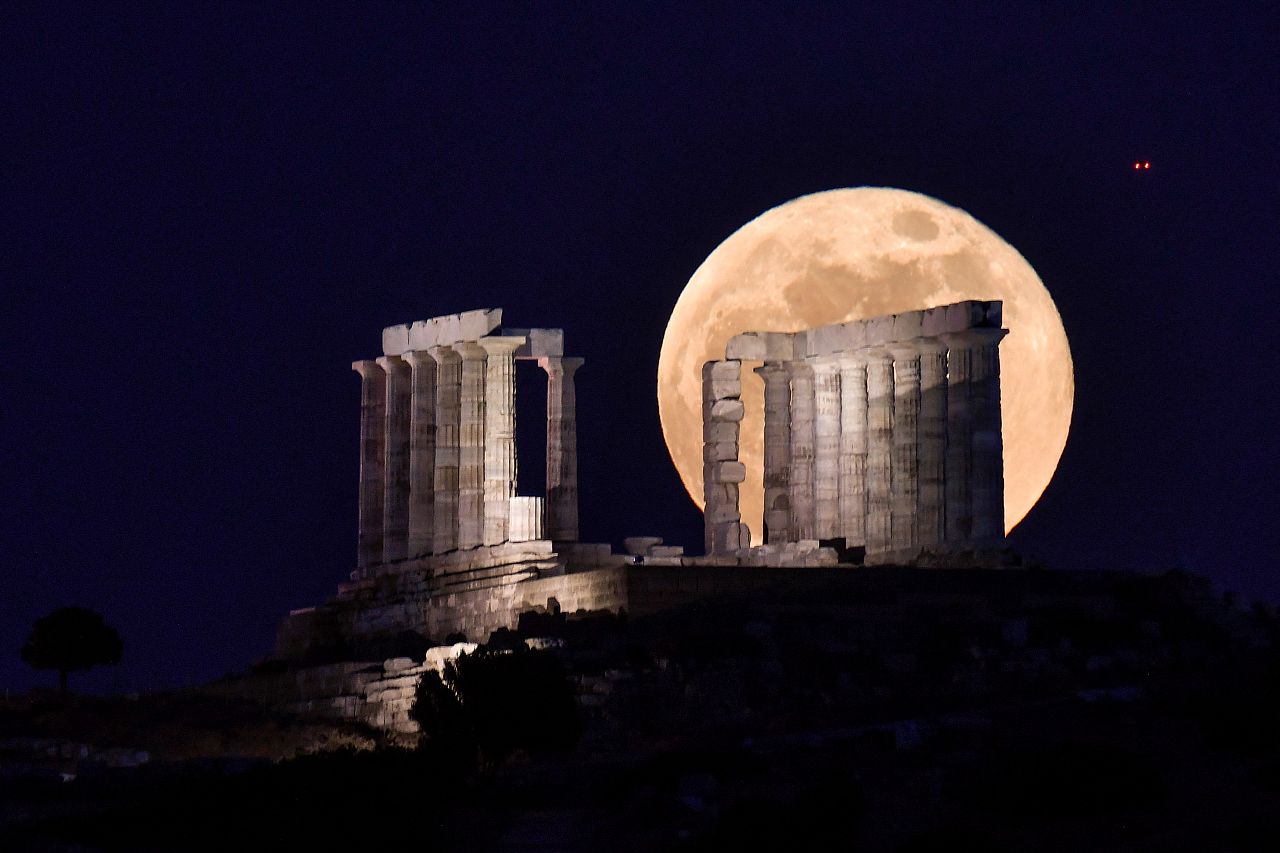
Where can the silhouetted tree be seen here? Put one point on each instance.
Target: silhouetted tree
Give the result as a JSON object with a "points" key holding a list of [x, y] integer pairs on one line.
{"points": [[498, 701], [71, 639]]}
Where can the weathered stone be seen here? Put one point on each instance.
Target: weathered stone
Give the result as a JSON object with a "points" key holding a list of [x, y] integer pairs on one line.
{"points": [[728, 472], [373, 413], [562, 448], [727, 410]]}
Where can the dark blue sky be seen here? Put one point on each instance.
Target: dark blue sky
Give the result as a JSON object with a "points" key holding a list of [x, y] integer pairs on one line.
{"points": [[209, 211]]}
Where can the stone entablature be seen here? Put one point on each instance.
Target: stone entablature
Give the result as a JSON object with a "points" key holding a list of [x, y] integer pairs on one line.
{"points": [[437, 439], [883, 433]]}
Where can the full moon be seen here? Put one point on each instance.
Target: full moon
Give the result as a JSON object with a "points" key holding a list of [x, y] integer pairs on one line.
{"points": [[851, 254]]}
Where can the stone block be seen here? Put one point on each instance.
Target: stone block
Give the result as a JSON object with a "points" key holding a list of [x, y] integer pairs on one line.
{"points": [[879, 330], [398, 664], [539, 343], [727, 410], [908, 325], [721, 493], [828, 339], [395, 339], [720, 451], [720, 513], [761, 346], [728, 472], [725, 370], [718, 432], [440, 331], [723, 389], [656, 551]]}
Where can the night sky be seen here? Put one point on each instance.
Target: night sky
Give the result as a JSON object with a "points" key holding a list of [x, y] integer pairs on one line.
{"points": [[209, 211]]}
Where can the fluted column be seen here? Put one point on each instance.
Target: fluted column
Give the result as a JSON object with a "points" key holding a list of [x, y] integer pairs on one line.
{"points": [[373, 412], [932, 454], [905, 483], [826, 453], [471, 446], [395, 503], [879, 450], [853, 449], [422, 453], [988, 443], [562, 448], [499, 435], [444, 533], [777, 451], [800, 484]]}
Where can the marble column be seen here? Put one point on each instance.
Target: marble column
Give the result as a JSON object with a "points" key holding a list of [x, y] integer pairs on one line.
{"points": [[444, 532], [499, 435], [395, 503], [422, 453], [959, 455], [904, 486], [800, 483], [777, 451], [826, 452], [373, 413], [879, 450], [853, 449], [722, 472], [987, 441], [562, 448], [932, 432], [471, 445]]}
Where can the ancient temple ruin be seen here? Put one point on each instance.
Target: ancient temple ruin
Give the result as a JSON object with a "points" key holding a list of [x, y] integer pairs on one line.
{"points": [[882, 445], [438, 446], [881, 436]]}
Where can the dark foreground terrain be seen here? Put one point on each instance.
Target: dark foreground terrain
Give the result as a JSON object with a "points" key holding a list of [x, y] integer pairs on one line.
{"points": [[1130, 713]]}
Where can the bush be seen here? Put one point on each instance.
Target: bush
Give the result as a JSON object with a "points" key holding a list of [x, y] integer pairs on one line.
{"points": [[494, 703]]}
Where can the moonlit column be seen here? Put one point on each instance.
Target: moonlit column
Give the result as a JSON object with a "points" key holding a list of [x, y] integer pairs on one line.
{"points": [[853, 449], [987, 442], [932, 432], [422, 453], [373, 411], [826, 454], [904, 486], [395, 503], [499, 436], [722, 472], [800, 483], [444, 534], [562, 448], [777, 451], [879, 450], [471, 446]]}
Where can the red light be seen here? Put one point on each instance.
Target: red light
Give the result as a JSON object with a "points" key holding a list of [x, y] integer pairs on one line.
{"points": [[1146, 165], [1137, 165]]}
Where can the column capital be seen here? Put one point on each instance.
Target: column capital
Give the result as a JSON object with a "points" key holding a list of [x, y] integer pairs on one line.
{"points": [[798, 366], [470, 351], [901, 350], [876, 354], [851, 358], [444, 354], [559, 363], [930, 345], [392, 363], [501, 344], [971, 338], [417, 357], [823, 365], [770, 369], [367, 367]]}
